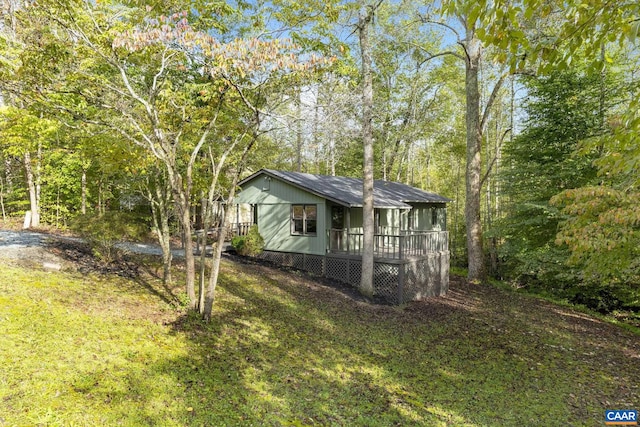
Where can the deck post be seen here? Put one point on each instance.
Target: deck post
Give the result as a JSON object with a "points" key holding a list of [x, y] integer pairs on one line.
{"points": [[348, 228], [401, 246], [238, 218]]}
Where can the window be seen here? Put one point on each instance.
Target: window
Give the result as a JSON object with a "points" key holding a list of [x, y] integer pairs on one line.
{"points": [[304, 219]]}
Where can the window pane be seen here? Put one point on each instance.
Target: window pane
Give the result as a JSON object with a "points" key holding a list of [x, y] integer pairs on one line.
{"points": [[311, 212], [298, 226], [297, 212], [310, 215], [311, 226]]}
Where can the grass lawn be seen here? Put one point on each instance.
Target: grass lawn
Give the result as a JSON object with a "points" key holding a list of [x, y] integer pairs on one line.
{"points": [[89, 349]]}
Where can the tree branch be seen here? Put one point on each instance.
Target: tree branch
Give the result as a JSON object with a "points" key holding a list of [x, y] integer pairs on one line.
{"points": [[491, 100], [495, 158], [436, 55]]}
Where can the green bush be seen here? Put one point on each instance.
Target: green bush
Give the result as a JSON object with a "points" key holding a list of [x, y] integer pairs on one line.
{"points": [[103, 233], [249, 245]]}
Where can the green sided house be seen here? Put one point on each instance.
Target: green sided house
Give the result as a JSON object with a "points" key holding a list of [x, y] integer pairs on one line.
{"points": [[314, 223]]}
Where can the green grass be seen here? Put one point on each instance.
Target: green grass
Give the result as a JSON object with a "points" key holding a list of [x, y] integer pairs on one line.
{"points": [[101, 350]]}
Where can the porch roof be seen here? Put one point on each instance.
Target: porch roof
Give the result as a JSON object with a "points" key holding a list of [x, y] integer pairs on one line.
{"points": [[348, 191]]}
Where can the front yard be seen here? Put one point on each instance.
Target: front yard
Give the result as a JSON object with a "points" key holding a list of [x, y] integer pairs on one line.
{"points": [[99, 349]]}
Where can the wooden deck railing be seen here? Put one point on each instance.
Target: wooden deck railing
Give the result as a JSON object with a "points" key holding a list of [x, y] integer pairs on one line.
{"points": [[407, 244], [241, 229]]}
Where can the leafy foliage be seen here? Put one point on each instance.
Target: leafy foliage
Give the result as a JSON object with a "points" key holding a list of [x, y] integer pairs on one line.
{"points": [[563, 110], [602, 232], [249, 245], [552, 182], [104, 232], [553, 35]]}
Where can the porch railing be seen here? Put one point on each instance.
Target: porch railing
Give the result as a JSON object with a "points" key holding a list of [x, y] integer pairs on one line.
{"points": [[403, 245], [241, 229]]}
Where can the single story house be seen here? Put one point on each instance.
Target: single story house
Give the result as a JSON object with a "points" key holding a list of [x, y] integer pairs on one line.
{"points": [[314, 223]]}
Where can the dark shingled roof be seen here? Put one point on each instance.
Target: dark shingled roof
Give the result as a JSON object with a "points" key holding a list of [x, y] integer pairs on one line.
{"points": [[348, 191]]}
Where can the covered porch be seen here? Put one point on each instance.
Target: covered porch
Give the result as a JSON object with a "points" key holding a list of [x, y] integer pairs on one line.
{"points": [[400, 233]]}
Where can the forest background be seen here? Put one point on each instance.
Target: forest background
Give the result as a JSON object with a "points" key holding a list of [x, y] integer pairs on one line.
{"points": [[525, 114]]}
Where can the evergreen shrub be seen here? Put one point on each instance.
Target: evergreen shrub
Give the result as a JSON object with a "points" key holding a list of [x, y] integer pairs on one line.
{"points": [[249, 245]]}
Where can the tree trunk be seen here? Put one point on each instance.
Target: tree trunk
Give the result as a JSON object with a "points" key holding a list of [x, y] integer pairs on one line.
{"points": [[210, 295], [4, 215], [476, 267], [83, 184], [365, 19], [181, 197], [33, 191], [299, 129], [160, 205], [38, 182], [189, 259]]}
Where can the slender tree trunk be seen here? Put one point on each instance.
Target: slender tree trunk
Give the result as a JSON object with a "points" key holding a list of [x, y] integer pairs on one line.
{"points": [[206, 225], [8, 176], [4, 215], [35, 220], [183, 206], [476, 267], [456, 220], [203, 272], [299, 129], [164, 237], [189, 258], [332, 156], [217, 253], [33, 193], [83, 184], [58, 208], [159, 196], [365, 20], [99, 198], [210, 295], [316, 132]]}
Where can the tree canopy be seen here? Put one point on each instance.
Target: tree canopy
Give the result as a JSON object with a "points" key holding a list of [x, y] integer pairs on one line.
{"points": [[524, 113]]}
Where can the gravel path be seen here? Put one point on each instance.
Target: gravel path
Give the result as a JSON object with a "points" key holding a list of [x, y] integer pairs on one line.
{"points": [[11, 240], [28, 246], [20, 244]]}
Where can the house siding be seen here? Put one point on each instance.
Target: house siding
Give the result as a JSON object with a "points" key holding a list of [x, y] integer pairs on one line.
{"points": [[423, 217], [274, 199]]}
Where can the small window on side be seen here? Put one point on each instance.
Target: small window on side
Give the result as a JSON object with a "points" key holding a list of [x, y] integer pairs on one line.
{"points": [[304, 220]]}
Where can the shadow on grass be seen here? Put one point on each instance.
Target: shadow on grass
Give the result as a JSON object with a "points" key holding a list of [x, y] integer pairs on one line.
{"points": [[138, 268], [284, 350]]}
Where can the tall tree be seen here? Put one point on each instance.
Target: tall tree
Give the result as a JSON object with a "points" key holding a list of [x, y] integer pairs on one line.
{"points": [[463, 20], [366, 14], [26, 135]]}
